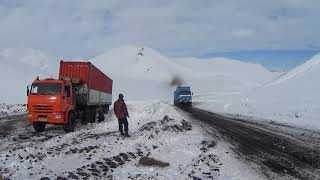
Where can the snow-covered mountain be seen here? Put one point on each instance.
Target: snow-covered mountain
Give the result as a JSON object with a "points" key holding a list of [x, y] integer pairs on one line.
{"points": [[28, 57], [143, 73], [140, 73], [305, 69], [221, 76], [18, 68], [292, 98], [137, 63]]}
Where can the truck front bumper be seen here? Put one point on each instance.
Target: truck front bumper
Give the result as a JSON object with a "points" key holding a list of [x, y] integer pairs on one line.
{"points": [[52, 118], [184, 101]]}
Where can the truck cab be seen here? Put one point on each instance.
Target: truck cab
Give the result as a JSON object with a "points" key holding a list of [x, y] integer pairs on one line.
{"points": [[81, 90], [183, 96], [50, 101]]}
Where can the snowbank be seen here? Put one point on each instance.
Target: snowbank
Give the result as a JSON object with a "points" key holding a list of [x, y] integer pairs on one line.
{"points": [[12, 109]]}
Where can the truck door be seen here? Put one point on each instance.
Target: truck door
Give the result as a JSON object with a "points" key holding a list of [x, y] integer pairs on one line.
{"points": [[67, 97]]}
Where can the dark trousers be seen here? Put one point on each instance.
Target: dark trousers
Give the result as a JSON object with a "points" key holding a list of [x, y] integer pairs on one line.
{"points": [[123, 122]]}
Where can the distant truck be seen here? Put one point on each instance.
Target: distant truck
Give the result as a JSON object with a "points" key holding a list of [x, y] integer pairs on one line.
{"points": [[81, 91], [183, 96]]}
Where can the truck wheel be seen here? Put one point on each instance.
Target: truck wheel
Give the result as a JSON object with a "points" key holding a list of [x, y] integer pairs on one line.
{"points": [[92, 116], [70, 125], [100, 116], [106, 109], [39, 126]]}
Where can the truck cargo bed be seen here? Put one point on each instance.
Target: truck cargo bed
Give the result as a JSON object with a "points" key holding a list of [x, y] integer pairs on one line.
{"points": [[93, 86]]}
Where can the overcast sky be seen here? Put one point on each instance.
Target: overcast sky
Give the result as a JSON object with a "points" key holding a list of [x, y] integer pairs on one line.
{"points": [[75, 28]]}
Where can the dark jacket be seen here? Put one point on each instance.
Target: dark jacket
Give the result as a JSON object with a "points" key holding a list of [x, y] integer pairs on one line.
{"points": [[120, 109]]}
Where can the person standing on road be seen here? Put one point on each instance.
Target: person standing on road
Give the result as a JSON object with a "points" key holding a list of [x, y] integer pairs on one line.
{"points": [[121, 111]]}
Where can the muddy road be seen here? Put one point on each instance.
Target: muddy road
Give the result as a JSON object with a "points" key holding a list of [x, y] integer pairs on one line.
{"points": [[285, 151], [16, 130], [11, 123]]}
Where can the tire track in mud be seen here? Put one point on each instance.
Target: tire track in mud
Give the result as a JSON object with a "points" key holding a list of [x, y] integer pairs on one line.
{"points": [[275, 154], [104, 167]]}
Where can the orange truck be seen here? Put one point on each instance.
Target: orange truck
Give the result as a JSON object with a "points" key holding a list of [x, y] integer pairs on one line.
{"points": [[82, 91]]}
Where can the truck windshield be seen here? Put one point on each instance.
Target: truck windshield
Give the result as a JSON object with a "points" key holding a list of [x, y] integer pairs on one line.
{"points": [[46, 89], [185, 93]]}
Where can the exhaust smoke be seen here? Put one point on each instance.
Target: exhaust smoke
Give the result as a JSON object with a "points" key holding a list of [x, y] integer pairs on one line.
{"points": [[177, 81]]}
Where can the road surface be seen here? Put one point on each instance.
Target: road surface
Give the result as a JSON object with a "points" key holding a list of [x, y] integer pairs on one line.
{"points": [[291, 154]]}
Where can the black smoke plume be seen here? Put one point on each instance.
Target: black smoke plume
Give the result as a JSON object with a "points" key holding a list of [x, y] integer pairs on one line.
{"points": [[177, 81]]}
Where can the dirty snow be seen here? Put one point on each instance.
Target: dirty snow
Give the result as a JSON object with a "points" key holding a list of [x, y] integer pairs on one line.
{"points": [[97, 149], [12, 109]]}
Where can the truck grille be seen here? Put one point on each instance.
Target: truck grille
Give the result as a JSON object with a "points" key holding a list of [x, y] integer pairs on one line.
{"points": [[42, 108]]}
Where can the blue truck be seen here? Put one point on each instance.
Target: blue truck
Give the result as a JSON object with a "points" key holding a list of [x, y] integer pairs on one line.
{"points": [[183, 96]]}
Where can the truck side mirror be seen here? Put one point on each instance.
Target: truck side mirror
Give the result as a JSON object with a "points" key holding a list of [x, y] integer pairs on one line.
{"points": [[28, 90]]}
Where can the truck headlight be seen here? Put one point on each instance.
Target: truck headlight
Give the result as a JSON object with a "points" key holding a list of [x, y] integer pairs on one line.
{"points": [[58, 116]]}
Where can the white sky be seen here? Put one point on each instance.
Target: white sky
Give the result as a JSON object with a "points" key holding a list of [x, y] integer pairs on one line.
{"points": [[82, 28]]}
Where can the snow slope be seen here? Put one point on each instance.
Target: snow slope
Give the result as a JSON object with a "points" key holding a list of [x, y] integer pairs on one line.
{"points": [[238, 70], [139, 76], [302, 70], [292, 98], [220, 82]]}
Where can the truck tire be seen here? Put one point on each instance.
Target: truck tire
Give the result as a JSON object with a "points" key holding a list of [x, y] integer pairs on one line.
{"points": [[100, 116], [106, 109], [39, 126], [71, 123]]}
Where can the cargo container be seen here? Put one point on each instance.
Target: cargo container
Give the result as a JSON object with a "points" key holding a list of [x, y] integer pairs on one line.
{"points": [[81, 91], [93, 86]]}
